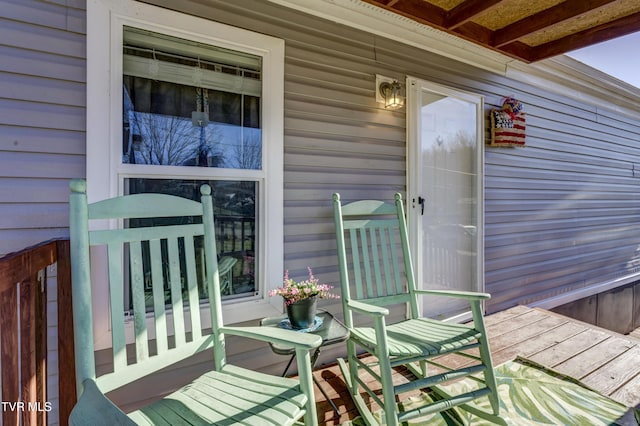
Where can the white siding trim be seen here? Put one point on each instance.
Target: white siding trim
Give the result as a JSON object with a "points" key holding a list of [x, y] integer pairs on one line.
{"points": [[375, 20], [582, 293]]}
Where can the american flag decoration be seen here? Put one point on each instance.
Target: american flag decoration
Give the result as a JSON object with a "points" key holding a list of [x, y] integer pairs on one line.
{"points": [[508, 124]]}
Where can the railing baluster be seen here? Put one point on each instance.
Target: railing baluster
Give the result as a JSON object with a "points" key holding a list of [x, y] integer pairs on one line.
{"points": [[27, 331], [41, 345]]}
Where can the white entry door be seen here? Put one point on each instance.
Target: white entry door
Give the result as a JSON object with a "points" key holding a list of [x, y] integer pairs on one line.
{"points": [[445, 192]]}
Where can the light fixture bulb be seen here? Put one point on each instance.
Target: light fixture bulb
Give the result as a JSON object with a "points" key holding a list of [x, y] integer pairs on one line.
{"points": [[391, 92]]}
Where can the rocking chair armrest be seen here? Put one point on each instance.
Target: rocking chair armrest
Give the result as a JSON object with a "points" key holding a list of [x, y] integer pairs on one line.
{"points": [[368, 309], [469, 295], [279, 336]]}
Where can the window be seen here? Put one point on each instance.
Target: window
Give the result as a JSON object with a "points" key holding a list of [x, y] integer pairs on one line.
{"points": [[189, 104], [190, 101]]}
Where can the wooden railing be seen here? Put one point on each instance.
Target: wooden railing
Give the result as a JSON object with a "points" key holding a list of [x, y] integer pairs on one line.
{"points": [[23, 334]]}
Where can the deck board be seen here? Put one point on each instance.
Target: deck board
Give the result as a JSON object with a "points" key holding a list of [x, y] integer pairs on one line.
{"points": [[596, 357], [617, 372], [606, 361], [569, 348]]}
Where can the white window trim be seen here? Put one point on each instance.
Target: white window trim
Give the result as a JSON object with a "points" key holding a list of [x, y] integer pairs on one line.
{"points": [[105, 171]]}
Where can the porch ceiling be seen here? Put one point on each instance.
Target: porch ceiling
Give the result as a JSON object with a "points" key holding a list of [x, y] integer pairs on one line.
{"points": [[529, 30]]}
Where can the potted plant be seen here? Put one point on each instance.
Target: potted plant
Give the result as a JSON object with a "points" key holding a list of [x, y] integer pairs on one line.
{"points": [[301, 298]]}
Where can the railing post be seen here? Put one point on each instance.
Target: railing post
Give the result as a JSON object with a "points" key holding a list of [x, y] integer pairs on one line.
{"points": [[10, 352], [66, 355]]}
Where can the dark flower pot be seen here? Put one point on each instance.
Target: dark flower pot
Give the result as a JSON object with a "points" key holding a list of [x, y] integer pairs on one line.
{"points": [[302, 313]]}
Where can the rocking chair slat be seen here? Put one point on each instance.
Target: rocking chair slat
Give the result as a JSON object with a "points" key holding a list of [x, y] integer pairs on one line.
{"points": [[387, 260], [175, 285], [366, 263], [355, 255], [192, 284], [157, 282], [376, 260], [137, 294], [116, 297]]}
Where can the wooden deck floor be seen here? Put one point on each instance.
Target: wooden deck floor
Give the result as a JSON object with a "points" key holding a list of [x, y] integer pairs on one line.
{"points": [[603, 360]]}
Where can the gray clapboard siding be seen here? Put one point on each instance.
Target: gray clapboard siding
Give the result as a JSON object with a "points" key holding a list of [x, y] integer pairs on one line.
{"points": [[30, 139], [42, 63], [47, 215], [41, 165], [42, 117], [61, 15], [30, 190], [32, 36], [37, 89]]}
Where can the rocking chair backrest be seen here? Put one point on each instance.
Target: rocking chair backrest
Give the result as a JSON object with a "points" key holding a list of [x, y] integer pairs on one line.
{"points": [[160, 260], [373, 251]]}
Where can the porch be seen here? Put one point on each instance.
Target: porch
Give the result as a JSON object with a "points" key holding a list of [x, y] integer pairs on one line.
{"points": [[605, 361]]}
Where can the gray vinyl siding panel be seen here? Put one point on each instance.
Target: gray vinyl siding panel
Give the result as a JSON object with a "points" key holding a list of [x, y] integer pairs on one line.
{"points": [[42, 117]]}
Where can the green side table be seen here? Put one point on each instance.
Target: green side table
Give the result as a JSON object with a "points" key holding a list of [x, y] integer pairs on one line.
{"points": [[331, 330]]}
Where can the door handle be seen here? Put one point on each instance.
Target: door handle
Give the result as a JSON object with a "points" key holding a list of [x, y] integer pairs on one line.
{"points": [[421, 202]]}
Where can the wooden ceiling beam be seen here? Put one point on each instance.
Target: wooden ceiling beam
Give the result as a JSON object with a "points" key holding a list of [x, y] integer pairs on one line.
{"points": [[467, 10], [517, 50], [474, 32], [543, 19], [618, 28]]}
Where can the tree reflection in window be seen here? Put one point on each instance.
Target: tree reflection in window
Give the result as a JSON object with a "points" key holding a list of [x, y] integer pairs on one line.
{"points": [[160, 128]]}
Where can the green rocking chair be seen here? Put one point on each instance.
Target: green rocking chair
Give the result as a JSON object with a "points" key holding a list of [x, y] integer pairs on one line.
{"points": [[157, 335], [376, 272]]}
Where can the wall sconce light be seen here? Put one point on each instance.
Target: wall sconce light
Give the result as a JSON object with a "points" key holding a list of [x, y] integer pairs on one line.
{"points": [[389, 92]]}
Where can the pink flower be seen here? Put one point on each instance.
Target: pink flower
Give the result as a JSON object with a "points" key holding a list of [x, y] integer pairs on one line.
{"points": [[293, 291]]}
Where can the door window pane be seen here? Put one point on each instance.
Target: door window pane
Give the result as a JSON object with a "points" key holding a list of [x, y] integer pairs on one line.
{"points": [[449, 161]]}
